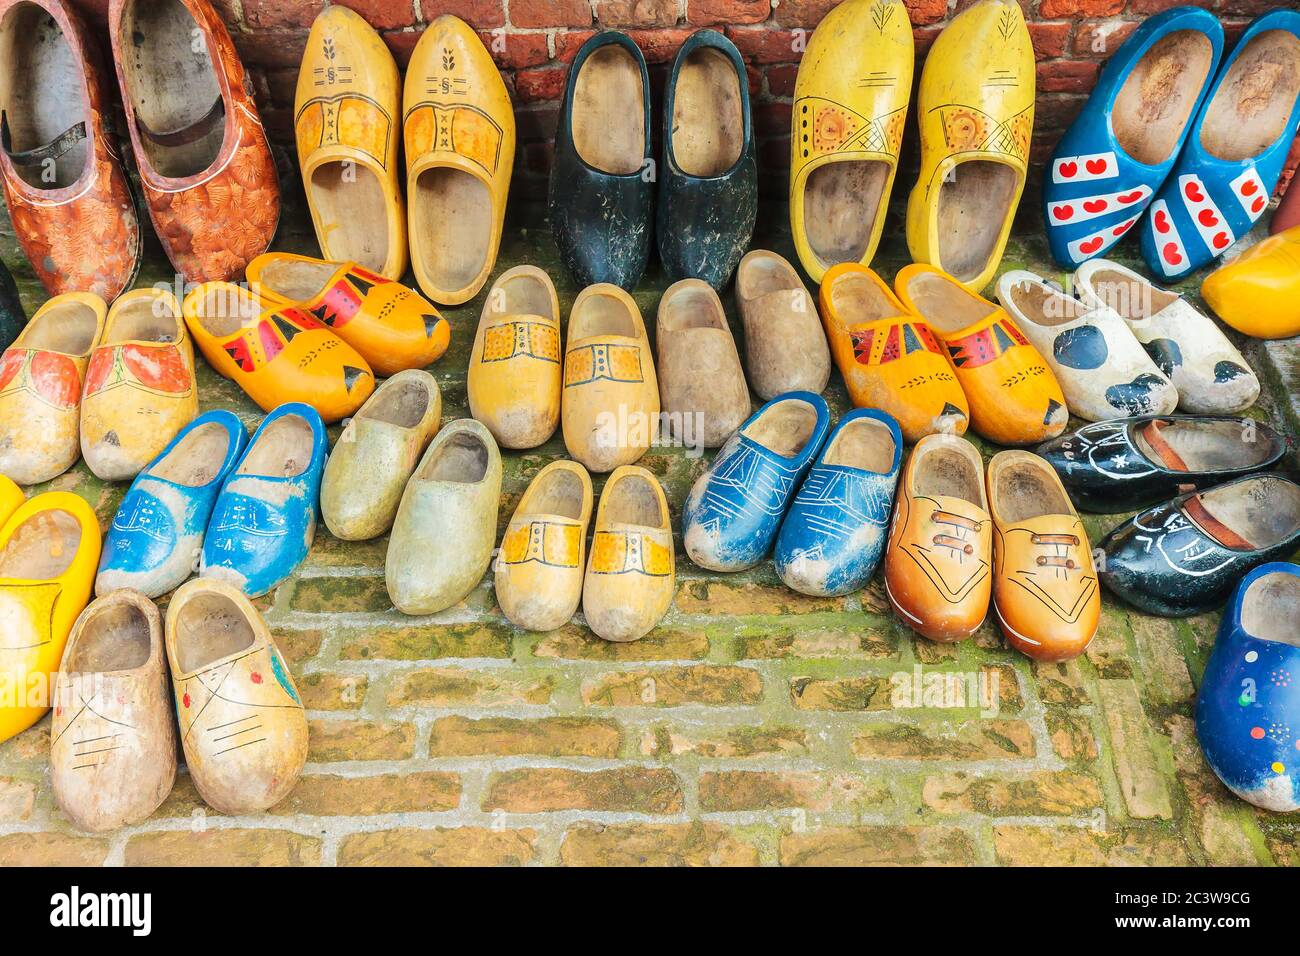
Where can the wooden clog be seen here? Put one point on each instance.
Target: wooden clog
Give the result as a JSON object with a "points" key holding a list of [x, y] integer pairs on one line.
{"points": [[264, 519], [515, 378], [13, 319], [374, 457], [156, 537], [41, 380], [1014, 397], [459, 131], [733, 514], [976, 110], [204, 162], [539, 569], [390, 326], [1101, 367], [113, 736], [610, 408], [785, 346], [1210, 374], [242, 725], [49, 548], [1258, 292], [1247, 705], [1045, 590], [446, 524], [630, 578], [79, 229], [702, 390], [708, 180], [1184, 556], [345, 113], [850, 104], [601, 194], [833, 535], [11, 498], [938, 562], [140, 388], [276, 353], [890, 358]]}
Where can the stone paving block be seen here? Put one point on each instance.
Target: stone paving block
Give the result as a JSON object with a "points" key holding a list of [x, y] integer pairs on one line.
{"points": [[234, 847], [657, 844], [1132, 746], [464, 687], [442, 846], [1074, 846], [710, 685], [506, 736], [878, 845], [972, 740], [736, 790], [666, 740], [543, 789]]}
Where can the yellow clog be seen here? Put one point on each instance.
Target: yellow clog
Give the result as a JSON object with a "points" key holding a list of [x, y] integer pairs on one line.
{"points": [[41, 380], [976, 112], [11, 498], [515, 379], [459, 130], [539, 569], [276, 354], [345, 123], [1258, 292], [392, 327], [49, 549], [140, 389], [850, 103]]}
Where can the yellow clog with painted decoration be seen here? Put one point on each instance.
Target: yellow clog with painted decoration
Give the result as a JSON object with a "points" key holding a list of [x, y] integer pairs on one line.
{"points": [[459, 130], [1258, 292], [975, 108], [850, 103]]}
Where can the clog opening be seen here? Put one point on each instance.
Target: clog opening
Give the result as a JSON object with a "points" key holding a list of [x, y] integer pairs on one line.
{"points": [[1253, 103], [283, 450], [144, 320], [42, 547], [296, 280], [608, 118], [451, 213], [42, 92], [197, 458], [1043, 305], [764, 274], [1129, 296], [863, 443], [1257, 513], [349, 201], [1024, 489], [947, 471], [210, 627], [841, 202], [462, 458], [634, 500], [785, 428], [692, 307], [224, 309], [172, 86], [1203, 444], [114, 637], [856, 298], [1153, 106], [708, 126], [558, 492], [601, 314], [944, 304], [522, 294], [975, 202], [69, 327], [1270, 608], [403, 404]]}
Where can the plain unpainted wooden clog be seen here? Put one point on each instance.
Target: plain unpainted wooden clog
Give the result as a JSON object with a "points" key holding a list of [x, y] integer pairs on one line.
{"points": [[785, 345]]}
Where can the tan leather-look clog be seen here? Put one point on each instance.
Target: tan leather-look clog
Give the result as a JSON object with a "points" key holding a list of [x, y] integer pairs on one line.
{"points": [[785, 344]]}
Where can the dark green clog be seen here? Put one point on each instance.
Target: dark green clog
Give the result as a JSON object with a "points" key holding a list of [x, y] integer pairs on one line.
{"points": [[12, 317]]}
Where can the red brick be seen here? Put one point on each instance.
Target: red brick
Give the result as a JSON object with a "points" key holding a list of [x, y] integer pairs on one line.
{"points": [[380, 14], [710, 12], [477, 13], [550, 13], [636, 13], [1067, 76], [803, 13], [761, 45], [271, 48], [1052, 9], [533, 85], [1050, 39], [659, 46], [926, 11], [780, 79], [568, 42], [267, 14], [1139, 7], [520, 49], [1102, 38], [923, 38], [772, 119]]}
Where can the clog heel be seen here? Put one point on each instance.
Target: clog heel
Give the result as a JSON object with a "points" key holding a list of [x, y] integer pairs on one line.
{"points": [[630, 578], [113, 737], [539, 569], [785, 346], [242, 724]]}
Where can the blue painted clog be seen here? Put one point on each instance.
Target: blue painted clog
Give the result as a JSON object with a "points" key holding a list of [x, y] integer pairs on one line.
{"points": [[1235, 150], [265, 517], [734, 510], [1248, 706], [154, 541], [834, 533], [1117, 154]]}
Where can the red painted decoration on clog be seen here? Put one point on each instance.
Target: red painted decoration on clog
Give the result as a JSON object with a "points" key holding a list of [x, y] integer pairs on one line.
{"points": [[1172, 255], [1162, 222], [1220, 240], [255, 677], [1259, 203], [1207, 218], [1095, 205], [1248, 187], [1091, 246], [1193, 192], [1122, 228], [1062, 212], [1068, 170], [1096, 166], [1132, 197]]}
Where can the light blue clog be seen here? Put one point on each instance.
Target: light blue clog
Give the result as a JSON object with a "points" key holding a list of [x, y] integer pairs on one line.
{"points": [[734, 510], [154, 541], [834, 533], [265, 517]]}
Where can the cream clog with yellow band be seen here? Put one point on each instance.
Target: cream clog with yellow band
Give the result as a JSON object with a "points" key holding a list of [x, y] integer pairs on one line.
{"points": [[850, 104], [459, 130], [49, 550], [345, 121], [976, 112]]}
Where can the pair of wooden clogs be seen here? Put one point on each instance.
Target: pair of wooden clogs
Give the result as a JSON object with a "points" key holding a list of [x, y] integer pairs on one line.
{"points": [[1258, 292], [1126, 347], [204, 163], [455, 119], [961, 540], [1167, 131], [240, 511], [113, 738], [112, 385], [628, 583], [975, 107]]}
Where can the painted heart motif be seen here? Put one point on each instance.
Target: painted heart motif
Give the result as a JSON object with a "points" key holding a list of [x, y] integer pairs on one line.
{"points": [[1096, 166], [1259, 204], [255, 677], [1132, 197], [1122, 228], [1091, 246], [1221, 240], [1095, 205], [1248, 187], [1063, 212], [1207, 218], [1193, 192], [186, 700], [1068, 170], [1162, 222], [1171, 254]]}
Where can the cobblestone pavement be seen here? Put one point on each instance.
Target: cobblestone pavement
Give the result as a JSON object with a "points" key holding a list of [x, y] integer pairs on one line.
{"points": [[754, 726]]}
